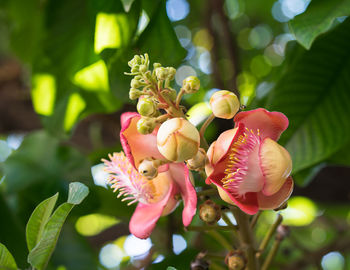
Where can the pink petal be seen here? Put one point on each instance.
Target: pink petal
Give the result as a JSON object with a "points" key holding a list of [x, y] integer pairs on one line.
{"points": [[276, 200], [247, 203], [222, 145], [146, 216], [270, 124], [135, 145], [180, 174]]}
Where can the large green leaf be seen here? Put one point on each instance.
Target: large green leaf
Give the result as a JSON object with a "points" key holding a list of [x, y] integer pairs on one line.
{"points": [[314, 94], [39, 256], [342, 157], [318, 18], [160, 41], [38, 220], [41, 158], [7, 262]]}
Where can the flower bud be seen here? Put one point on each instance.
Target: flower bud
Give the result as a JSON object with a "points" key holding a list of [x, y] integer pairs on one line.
{"points": [[146, 125], [148, 168], [178, 140], [143, 68], [169, 93], [209, 212], [198, 161], [191, 84], [135, 61], [146, 107], [171, 73], [224, 104], [235, 261], [134, 93], [161, 73], [135, 83], [156, 65]]}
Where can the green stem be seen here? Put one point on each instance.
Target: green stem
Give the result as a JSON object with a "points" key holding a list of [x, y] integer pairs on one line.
{"points": [[268, 236], [255, 219], [246, 238], [228, 222], [206, 124], [221, 239], [179, 97], [271, 254]]}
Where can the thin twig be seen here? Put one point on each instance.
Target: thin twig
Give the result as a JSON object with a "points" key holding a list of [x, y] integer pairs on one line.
{"points": [[255, 219], [271, 254], [205, 228], [269, 235], [221, 239]]}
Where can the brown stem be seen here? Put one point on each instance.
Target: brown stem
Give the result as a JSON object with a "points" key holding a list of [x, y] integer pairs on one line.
{"points": [[246, 238]]}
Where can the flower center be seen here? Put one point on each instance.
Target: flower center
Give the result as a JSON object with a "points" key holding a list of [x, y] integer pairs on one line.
{"points": [[242, 168], [129, 182]]}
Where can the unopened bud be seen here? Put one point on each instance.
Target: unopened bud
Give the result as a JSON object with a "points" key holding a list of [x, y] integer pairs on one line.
{"points": [[224, 104], [161, 73], [198, 161], [135, 83], [178, 140], [146, 125], [169, 93], [191, 84], [134, 93], [143, 68], [157, 65], [146, 107], [148, 168], [235, 261], [171, 73], [209, 212], [135, 61], [135, 69]]}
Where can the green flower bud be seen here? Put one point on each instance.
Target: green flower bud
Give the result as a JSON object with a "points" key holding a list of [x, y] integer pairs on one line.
{"points": [[171, 73], [161, 73], [135, 83], [157, 65], [191, 84], [224, 104], [169, 93], [134, 93], [143, 68], [135, 61], [135, 69], [178, 140], [146, 125], [146, 107]]}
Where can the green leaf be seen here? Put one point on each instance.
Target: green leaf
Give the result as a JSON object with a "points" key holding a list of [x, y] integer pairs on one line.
{"points": [[171, 268], [305, 176], [342, 157], [160, 41], [318, 18], [40, 255], [7, 262], [38, 220], [314, 94], [41, 158], [5, 150], [77, 193]]}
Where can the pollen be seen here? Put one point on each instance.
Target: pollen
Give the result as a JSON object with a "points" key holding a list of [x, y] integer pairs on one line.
{"points": [[125, 179]]}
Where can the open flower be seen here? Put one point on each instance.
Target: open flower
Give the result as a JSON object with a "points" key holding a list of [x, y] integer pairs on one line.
{"points": [[155, 197], [249, 168]]}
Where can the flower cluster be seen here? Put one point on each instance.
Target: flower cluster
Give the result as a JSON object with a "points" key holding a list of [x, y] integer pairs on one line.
{"points": [[246, 164]]}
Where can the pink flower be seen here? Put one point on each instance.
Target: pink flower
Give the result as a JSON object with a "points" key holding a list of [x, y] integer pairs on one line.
{"points": [[249, 168], [155, 197]]}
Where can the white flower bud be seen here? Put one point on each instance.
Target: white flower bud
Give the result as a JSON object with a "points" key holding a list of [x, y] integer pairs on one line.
{"points": [[224, 104], [178, 140]]}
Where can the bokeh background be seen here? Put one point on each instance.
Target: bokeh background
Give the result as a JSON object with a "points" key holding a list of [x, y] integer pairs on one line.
{"points": [[63, 88]]}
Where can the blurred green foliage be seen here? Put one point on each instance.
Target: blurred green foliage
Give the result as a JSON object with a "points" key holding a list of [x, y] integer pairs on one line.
{"points": [[74, 54]]}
